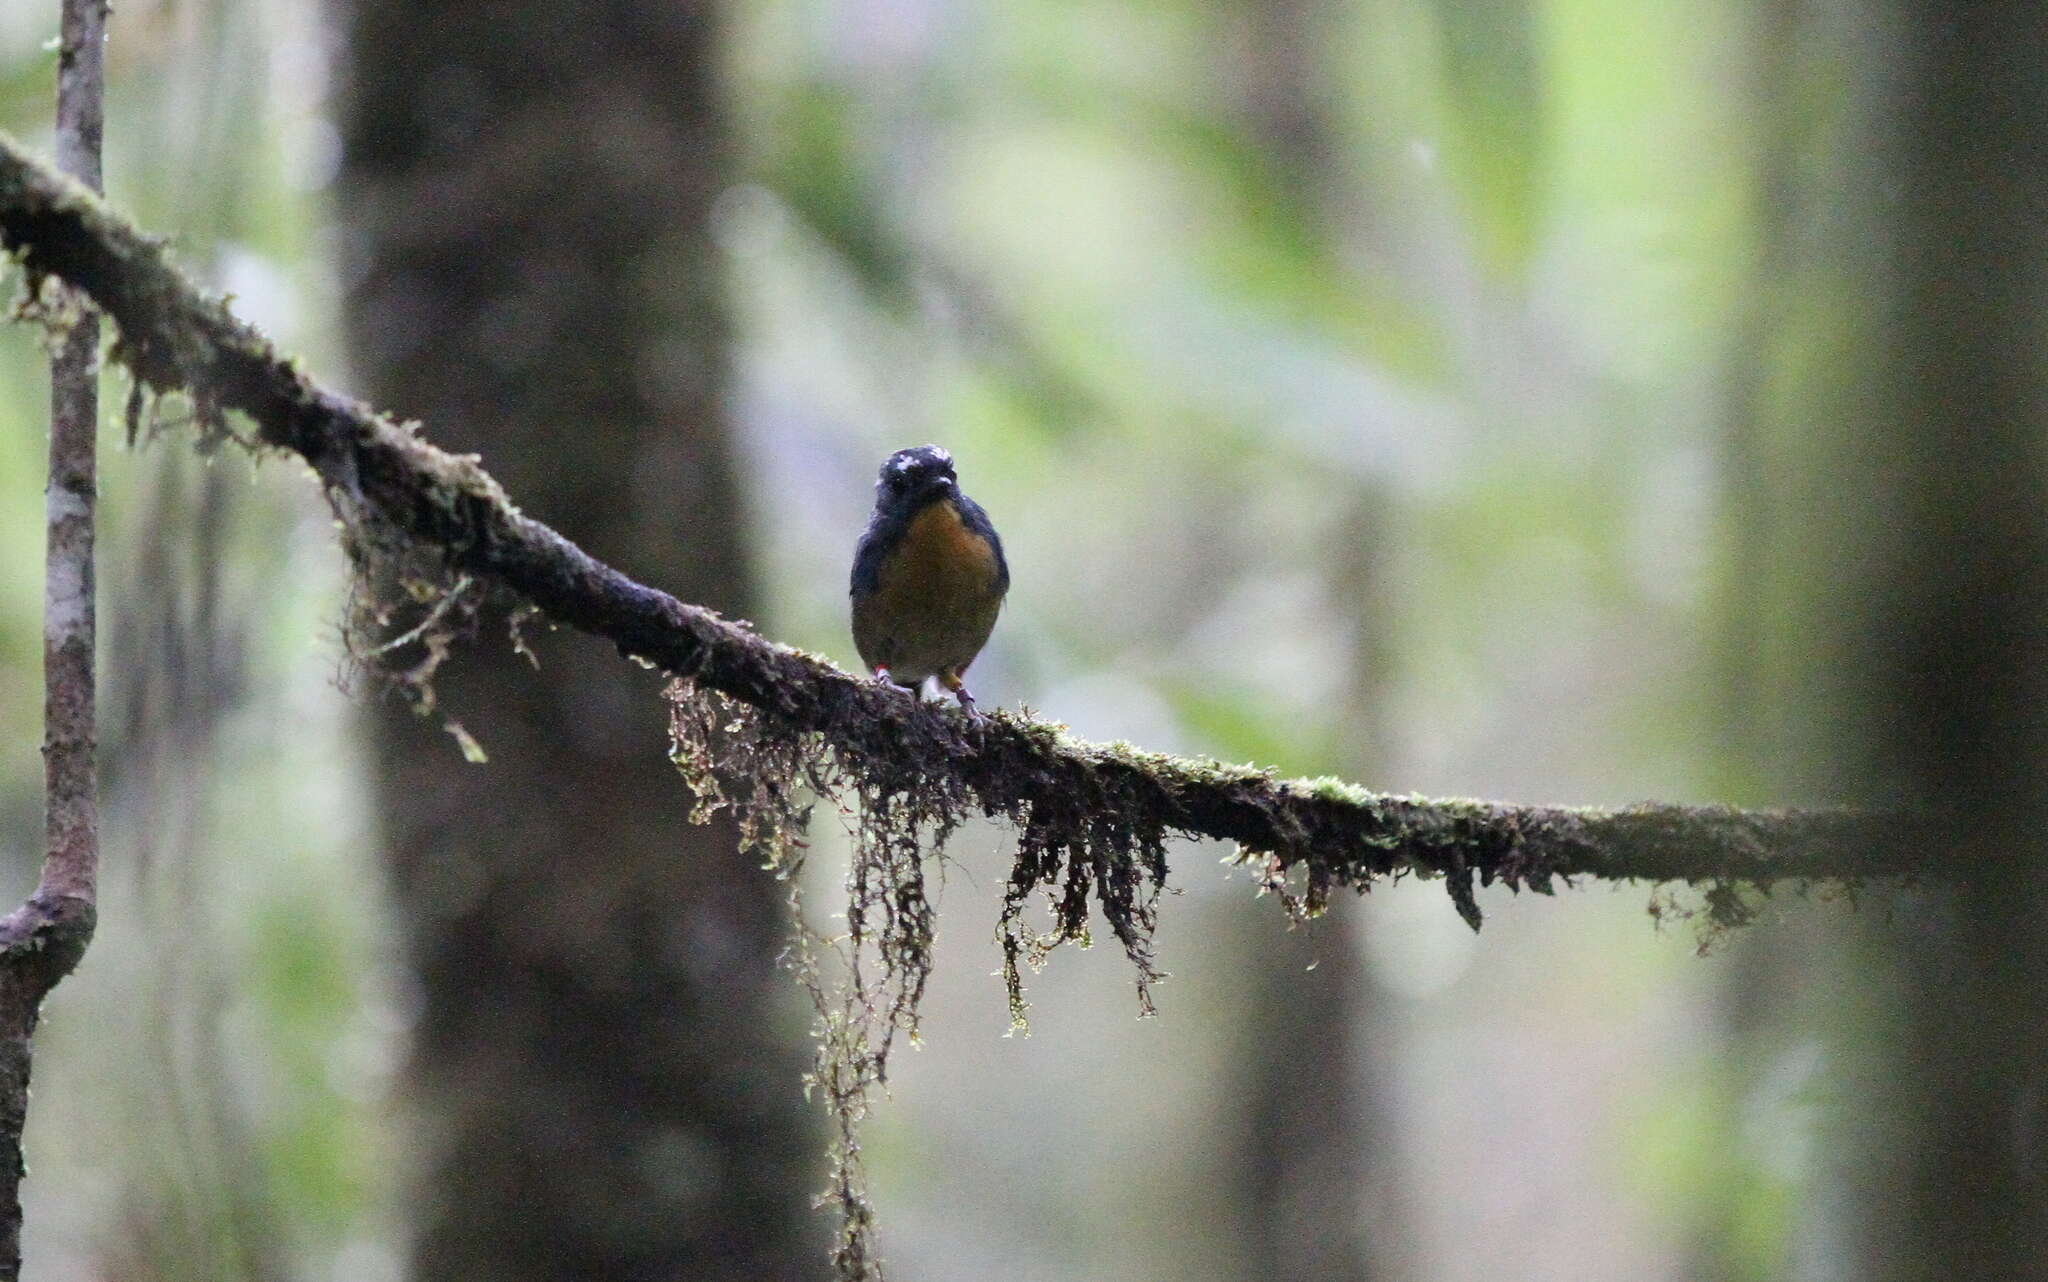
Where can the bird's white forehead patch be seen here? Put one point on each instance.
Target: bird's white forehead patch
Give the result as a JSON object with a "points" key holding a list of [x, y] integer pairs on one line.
{"points": [[911, 460]]}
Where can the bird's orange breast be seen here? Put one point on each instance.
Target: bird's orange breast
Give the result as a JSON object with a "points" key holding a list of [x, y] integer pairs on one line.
{"points": [[940, 558], [935, 599]]}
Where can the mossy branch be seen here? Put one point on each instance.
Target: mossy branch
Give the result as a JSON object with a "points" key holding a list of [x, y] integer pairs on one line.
{"points": [[1080, 796], [766, 728]]}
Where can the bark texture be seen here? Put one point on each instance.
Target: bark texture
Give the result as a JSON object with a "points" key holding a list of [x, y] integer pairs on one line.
{"points": [[607, 1066]]}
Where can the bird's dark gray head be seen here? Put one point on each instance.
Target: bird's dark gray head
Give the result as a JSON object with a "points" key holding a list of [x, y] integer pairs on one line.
{"points": [[916, 474]]}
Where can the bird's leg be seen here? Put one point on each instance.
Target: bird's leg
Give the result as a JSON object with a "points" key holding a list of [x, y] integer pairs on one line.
{"points": [[950, 679]]}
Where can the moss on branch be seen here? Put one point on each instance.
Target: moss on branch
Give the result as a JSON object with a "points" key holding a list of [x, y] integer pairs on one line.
{"points": [[763, 727], [1066, 795]]}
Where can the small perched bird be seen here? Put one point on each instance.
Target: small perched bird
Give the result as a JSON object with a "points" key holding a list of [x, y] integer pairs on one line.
{"points": [[928, 575]]}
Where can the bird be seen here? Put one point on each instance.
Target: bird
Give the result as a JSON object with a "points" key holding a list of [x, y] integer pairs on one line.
{"points": [[928, 576]]}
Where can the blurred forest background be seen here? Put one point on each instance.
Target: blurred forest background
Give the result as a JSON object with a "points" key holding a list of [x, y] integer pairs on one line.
{"points": [[1419, 391]]}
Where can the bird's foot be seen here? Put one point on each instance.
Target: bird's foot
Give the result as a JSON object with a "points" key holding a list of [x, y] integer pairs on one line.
{"points": [[953, 682]]}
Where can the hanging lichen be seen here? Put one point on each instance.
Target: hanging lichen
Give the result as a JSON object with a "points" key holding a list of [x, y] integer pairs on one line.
{"points": [[899, 811]]}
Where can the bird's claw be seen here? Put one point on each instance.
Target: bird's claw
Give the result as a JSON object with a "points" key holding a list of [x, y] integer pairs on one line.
{"points": [[960, 692]]}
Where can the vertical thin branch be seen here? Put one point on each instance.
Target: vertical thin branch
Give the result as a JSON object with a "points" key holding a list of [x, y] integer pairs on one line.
{"points": [[44, 938], [72, 859]]}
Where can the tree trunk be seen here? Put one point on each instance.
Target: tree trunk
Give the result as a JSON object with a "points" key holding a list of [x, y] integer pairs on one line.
{"points": [[605, 1066], [1305, 1139], [1950, 479]]}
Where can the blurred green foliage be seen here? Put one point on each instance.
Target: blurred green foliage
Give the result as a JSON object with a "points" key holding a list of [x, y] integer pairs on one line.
{"points": [[207, 1087], [1505, 300]]}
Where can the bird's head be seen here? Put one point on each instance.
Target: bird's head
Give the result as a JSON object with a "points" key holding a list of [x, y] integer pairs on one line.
{"points": [[915, 476]]}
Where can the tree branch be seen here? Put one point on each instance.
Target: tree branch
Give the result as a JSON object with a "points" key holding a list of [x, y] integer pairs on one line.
{"points": [[173, 336], [43, 939]]}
